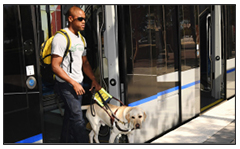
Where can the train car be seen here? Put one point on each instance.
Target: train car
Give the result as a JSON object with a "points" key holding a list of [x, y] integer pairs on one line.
{"points": [[173, 61]]}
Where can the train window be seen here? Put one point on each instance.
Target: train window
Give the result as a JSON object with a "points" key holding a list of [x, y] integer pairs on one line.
{"points": [[188, 34], [168, 56], [167, 49], [141, 66], [141, 39], [14, 75], [152, 50], [230, 23], [231, 30]]}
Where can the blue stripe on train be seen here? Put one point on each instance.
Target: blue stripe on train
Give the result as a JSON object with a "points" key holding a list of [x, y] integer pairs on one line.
{"points": [[31, 139], [231, 70], [167, 91], [136, 103]]}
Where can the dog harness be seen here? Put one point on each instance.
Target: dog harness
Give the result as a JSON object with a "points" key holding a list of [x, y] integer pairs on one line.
{"points": [[113, 118], [117, 126]]}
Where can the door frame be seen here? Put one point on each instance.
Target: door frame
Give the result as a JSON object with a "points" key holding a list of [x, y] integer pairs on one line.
{"points": [[29, 126]]}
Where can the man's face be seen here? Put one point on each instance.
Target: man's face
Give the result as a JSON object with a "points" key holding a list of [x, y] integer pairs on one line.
{"points": [[78, 22]]}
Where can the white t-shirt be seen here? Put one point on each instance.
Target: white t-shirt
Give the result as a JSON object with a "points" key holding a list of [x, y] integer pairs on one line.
{"points": [[59, 45]]}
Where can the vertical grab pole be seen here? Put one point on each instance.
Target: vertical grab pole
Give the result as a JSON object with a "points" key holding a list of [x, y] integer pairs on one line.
{"points": [[209, 37], [99, 37], [111, 51], [49, 21]]}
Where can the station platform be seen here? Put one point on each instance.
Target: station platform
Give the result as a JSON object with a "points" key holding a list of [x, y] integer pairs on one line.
{"points": [[215, 126]]}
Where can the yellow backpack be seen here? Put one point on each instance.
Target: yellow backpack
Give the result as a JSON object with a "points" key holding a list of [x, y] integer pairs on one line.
{"points": [[45, 56]]}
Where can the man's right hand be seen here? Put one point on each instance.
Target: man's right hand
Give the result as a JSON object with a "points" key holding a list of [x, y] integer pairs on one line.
{"points": [[78, 89]]}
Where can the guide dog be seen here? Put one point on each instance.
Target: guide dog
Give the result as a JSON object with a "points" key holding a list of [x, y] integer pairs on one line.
{"points": [[129, 119]]}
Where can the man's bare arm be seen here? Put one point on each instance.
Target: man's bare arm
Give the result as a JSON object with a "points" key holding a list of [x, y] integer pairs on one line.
{"points": [[56, 62]]}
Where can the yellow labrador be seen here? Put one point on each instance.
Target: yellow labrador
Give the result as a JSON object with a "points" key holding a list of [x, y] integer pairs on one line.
{"points": [[130, 118]]}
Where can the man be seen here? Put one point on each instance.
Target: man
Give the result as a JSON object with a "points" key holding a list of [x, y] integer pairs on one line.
{"points": [[70, 83]]}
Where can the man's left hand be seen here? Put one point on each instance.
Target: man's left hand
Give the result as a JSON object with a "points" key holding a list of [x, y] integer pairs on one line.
{"points": [[96, 85]]}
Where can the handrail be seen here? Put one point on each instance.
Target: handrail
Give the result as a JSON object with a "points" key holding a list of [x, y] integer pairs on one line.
{"points": [[102, 82], [208, 34]]}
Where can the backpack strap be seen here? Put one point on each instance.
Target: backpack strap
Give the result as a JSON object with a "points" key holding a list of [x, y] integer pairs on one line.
{"points": [[65, 34], [82, 39]]}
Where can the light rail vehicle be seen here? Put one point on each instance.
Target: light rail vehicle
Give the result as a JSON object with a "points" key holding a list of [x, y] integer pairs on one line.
{"points": [[173, 61]]}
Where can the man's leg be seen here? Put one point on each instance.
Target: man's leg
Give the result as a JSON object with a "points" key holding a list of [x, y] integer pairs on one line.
{"points": [[76, 121], [66, 135]]}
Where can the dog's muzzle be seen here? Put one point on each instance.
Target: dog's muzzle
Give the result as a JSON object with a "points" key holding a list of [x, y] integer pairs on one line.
{"points": [[137, 126]]}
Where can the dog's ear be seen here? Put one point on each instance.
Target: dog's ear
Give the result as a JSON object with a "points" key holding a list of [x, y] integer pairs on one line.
{"points": [[144, 116], [128, 117]]}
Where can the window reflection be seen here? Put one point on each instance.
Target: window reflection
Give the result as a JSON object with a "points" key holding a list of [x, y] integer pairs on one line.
{"points": [[141, 39], [230, 50], [171, 30], [154, 50], [231, 31], [189, 55], [13, 71], [142, 77]]}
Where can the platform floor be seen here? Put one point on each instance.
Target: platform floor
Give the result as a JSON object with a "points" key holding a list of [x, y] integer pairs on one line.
{"points": [[215, 126]]}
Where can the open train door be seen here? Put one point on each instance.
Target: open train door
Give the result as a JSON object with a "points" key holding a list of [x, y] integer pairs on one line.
{"points": [[22, 111], [101, 33], [215, 68], [207, 28]]}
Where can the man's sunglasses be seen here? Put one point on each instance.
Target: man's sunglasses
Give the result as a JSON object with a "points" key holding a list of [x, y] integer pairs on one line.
{"points": [[80, 19]]}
